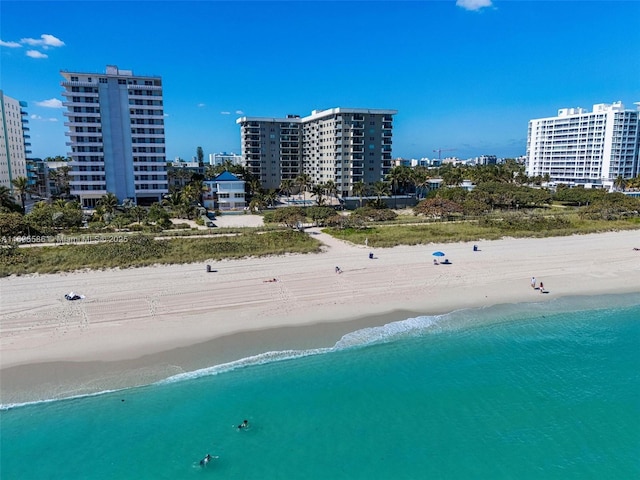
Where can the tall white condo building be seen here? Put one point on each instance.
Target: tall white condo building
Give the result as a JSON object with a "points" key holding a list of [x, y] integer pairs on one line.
{"points": [[578, 147], [117, 140], [14, 140]]}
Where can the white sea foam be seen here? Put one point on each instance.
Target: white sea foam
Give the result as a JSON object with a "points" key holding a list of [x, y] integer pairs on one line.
{"points": [[9, 406], [359, 338]]}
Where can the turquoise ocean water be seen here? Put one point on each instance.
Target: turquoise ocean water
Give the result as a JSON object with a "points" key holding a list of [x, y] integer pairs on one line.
{"points": [[540, 391]]}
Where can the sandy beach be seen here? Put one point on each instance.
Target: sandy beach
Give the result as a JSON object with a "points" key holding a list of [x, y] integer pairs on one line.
{"points": [[136, 326]]}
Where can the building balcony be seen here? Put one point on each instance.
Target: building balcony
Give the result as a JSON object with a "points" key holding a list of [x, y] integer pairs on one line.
{"points": [[82, 114], [143, 87], [67, 83], [77, 183]]}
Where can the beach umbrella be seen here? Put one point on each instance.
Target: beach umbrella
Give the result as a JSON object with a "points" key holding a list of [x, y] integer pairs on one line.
{"points": [[438, 254]]}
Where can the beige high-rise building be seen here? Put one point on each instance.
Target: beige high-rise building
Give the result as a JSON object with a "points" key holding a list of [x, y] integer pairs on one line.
{"points": [[14, 140], [343, 145]]}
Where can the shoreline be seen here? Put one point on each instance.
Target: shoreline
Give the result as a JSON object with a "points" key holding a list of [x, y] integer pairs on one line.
{"points": [[64, 379], [142, 325]]}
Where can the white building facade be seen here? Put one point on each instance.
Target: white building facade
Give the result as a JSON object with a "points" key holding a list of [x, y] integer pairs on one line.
{"points": [[115, 123], [343, 145], [217, 159], [14, 140], [224, 193], [578, 147]]}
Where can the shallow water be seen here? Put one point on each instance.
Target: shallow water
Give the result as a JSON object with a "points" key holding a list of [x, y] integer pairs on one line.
{"points": [[546, 390]]}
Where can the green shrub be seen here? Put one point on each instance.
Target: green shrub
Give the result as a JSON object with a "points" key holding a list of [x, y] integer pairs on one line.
{"points": [[374, 215], [526, 222]]}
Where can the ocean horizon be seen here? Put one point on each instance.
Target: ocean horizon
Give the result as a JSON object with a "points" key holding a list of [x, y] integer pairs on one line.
{"points": [[535, 390]]}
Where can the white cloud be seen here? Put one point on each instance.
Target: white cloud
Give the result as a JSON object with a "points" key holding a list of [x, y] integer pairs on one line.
{"points": [[10, 44], [225, 113], [45, 41], [51, 103], [473, 5], [239, 112], [200, 105], [36, 54], [38, 117]]}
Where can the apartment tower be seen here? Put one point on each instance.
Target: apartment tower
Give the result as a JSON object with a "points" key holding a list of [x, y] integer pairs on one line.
{"points": [[117, 140], [578, 147], [14, 140], [344, 145]]}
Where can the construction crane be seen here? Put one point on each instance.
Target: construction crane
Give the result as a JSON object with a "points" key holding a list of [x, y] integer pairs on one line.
{"points": [[440, 150]]}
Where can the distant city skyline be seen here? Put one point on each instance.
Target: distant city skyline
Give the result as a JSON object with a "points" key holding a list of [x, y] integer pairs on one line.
{"points": [[465, 77]]}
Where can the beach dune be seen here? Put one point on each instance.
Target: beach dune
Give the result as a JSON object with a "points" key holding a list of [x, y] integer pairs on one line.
{"points": [[143, 324]]}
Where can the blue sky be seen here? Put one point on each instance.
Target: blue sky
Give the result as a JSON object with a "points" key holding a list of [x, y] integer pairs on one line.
{"points": [[465, 76]]}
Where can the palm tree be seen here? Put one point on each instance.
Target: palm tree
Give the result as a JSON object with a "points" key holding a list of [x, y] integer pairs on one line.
{"points": [[200, 188], [270, 197], [108, 202], [191, 193], [318, 191], [359, 189], [6, 199], [620, 183], [381, 189], [138, 213], [210, 172], [254, 186], [22, 187], [419, 178], [331, 189], [634, 182], [398, 176], [257, 203], [173, 200], [303, 181], [286, 186], [452, 176]]}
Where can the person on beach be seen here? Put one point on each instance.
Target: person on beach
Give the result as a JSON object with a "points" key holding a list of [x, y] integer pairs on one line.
{"points": [[541, 287], [338, 270], [533, 282], [435, 262]]}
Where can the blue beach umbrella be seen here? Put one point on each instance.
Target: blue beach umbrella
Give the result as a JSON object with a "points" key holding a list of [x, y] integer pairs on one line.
{"points": [[438, 254]]}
